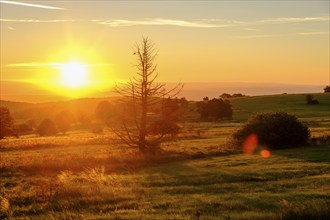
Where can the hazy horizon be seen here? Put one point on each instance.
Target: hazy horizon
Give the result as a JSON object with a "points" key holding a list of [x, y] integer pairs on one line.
{"points": [[192, 90], [74, 48]]}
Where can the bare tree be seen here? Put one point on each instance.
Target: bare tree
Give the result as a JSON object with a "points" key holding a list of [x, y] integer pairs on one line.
{"points": [[142, 99]]}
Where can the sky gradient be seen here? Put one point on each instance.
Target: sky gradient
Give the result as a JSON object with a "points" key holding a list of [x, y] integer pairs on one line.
{"points": [[198, 41]]}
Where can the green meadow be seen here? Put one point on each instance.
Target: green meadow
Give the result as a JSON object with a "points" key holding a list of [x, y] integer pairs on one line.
{"points": [[82, 175]]}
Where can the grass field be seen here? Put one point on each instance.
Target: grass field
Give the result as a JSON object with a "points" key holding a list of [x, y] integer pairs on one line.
{"points": [[85, 176]]}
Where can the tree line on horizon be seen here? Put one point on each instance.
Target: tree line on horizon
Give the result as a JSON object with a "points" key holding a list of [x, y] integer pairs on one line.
{"points": [[172, 110], [145, 115]]}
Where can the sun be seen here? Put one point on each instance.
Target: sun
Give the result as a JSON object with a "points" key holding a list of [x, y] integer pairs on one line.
{"points": [[74, 74]]}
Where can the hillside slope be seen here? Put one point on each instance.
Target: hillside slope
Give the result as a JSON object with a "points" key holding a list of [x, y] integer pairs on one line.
{"points": [[291, 103], [243, 107]]}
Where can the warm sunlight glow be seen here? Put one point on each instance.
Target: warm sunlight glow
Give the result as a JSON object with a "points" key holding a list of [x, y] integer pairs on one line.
{"points": [[250, 144], [74, 74], [265, 153]]}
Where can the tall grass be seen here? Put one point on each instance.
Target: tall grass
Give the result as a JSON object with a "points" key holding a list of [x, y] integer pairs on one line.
{"points": [[317, 210]]}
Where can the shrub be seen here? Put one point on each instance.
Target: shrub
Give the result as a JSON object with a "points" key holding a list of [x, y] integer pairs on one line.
{"points": [[63, 121], [214, 109], [225, 96], [311, 101], [104, 110], [163, 127], [237, 95], [6, 123], [274, 130], [46, 128], [24, 128]]}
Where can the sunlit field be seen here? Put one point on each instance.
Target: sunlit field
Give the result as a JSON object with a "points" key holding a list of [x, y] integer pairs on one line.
{"points": [[181, 110], [82, 175]]}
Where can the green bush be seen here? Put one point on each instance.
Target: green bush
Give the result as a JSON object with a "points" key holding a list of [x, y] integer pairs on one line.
{"points": [[274, 131]]}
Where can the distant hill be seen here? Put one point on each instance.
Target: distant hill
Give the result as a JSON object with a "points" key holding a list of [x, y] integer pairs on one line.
{"points": [[243, 107], [79, 107], [16, 106], [290, 103], [26, 92], [196, 91]]}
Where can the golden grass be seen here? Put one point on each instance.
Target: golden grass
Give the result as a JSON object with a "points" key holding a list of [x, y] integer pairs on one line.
{"points": [[86, 176]]}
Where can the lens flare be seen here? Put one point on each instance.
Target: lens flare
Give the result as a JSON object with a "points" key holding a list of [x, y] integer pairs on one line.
{"points": [[250, 144], [265, 153]]}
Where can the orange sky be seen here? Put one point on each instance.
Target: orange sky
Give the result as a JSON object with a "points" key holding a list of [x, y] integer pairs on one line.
{"points": [[277, 42]]}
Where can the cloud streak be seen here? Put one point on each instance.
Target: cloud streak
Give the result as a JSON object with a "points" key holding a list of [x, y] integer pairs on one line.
{"points": [[280, 35], [293, 20], [314, 33], [161, 22], [31, 5], [34, 20], [254, 36], [53, 65], [201, 23], [206, 23]]}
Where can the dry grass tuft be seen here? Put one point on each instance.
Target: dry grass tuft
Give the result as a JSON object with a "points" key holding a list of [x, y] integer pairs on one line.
{"points": [[297, 210], [4, 208]]}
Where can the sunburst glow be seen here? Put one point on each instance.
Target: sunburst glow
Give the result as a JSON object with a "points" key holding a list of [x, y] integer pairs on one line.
{"points": [[74, 74]]}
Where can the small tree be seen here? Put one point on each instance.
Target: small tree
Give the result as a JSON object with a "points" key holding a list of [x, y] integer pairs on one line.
{"points": [[46, 128], [237, 95], [103, 110], [84, 119], [214, 109], [24, 128], [63, 121], [142, 97], [6, 123], [326, 89], [225, 96], [311, 101]]}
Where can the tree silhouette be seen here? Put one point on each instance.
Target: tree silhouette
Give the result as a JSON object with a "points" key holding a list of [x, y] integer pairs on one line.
{"points": [[225, 96], [103, 110], [310, 100], [214, 109], [46, 128], [142, 98], [63, 121], [6, 123]]}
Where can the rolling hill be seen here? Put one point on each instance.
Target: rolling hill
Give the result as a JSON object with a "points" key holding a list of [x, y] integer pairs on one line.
{"points": [[243, 107]]}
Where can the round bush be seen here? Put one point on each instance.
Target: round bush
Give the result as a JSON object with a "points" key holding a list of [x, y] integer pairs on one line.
{"points": [[46, 128], [274, 130]]}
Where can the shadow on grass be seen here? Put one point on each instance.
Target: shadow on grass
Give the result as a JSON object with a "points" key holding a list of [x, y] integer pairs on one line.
{"points": [[311, 153]]}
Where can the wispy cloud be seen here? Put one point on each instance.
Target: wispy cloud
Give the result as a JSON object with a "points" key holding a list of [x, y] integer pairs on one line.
{"points": [[31, 5], [34, 64], [254, 36], [279, 35], [201, 23], [34, 20], [314, 33], [161, 22], [250, 29], [207, 23], [53, 64], [293, 20]]}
